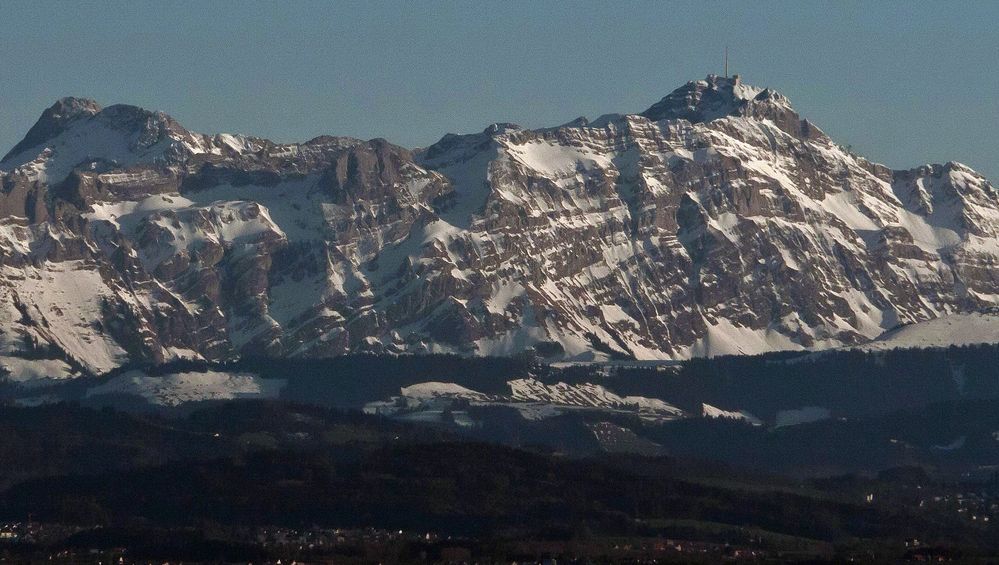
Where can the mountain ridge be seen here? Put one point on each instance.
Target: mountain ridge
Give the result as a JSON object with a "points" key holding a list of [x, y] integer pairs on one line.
{"points": [[716, 221]]}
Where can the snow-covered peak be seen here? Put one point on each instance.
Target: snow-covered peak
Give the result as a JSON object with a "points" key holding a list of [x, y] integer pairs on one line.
{"points": [[53, 121], [78, 133], [718, 97], [67, 109], [704, 100], [70, 106]]}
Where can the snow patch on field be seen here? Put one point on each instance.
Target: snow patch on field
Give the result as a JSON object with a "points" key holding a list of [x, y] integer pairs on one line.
{"points": [[436, 389], [803, 415], [958, 443], [35, 372], [178, 388], [955, 329], [586, 394], [533, 399]]}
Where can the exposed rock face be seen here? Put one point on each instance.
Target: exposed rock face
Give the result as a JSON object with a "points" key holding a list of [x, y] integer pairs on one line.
{"points": [[717, 221]]}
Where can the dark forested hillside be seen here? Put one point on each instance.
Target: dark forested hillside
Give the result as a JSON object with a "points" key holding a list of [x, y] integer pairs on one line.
{"points": [[906, 448]]}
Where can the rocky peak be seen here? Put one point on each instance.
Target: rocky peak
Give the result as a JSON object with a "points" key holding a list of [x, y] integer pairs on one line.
{"points": [[133, 118], [718, 97], [78, 134], [68, 108], [54, 121], [704, 100], [499, 128]]}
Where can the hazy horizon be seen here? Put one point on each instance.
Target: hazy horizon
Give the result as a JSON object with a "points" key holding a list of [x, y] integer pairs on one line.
{"points": [[904, 86]]}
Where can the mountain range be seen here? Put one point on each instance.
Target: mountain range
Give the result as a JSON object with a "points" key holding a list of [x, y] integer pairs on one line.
{"points": [[717, 221]]}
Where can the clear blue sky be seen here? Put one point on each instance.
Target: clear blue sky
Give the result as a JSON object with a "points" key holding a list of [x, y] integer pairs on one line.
{"points": [[904, 83]]}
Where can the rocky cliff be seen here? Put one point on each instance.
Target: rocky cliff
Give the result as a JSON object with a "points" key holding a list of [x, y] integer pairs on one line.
{"points": [[716, 221]]}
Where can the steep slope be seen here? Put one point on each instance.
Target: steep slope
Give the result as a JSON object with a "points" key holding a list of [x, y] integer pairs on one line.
{"points": [[717, 221], [745, 231]]}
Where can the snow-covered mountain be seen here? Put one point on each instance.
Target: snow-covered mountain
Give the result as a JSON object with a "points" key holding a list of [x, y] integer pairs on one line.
{"points": [[717, 221]]}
